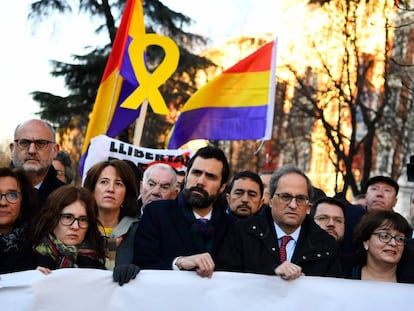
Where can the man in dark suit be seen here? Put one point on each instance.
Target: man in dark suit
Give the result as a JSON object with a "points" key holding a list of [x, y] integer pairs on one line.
{"points": [[285, 241], [245, 195], [33, 149], [185, 233]]}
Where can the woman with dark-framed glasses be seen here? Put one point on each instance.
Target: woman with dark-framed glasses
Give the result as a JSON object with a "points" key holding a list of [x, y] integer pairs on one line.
{"points": [[17, 203], [66, 234], [380, 238]]}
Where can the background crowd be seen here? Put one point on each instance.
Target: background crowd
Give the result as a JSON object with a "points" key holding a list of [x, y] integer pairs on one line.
{"points": [[123, 219]]}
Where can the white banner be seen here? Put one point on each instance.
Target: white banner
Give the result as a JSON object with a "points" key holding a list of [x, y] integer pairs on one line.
{"points": [[90, 289], [103, 148]]}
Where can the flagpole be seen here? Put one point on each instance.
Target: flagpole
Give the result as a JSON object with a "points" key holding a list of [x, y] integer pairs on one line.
{"points": [[139, 123], [267, 158]]}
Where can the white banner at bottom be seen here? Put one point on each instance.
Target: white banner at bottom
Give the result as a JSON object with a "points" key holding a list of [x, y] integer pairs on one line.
{"points": [[89, 289]]}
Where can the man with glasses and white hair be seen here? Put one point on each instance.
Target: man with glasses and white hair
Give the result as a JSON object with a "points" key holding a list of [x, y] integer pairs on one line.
{"points": [[33, 149], [285, 240]]}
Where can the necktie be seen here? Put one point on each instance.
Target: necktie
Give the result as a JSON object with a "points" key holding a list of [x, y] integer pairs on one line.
{"points": [[203, 220], [282, 250]]}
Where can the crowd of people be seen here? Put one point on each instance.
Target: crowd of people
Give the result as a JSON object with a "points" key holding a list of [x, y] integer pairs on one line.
{"points": [[124, 220]]}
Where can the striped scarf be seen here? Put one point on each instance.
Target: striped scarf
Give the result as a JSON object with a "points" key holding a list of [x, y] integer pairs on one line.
{"points": [[64, 255]]}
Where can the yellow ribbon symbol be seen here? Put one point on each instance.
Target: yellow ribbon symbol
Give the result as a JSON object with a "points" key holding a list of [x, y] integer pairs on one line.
{"points": [[149, 83]]}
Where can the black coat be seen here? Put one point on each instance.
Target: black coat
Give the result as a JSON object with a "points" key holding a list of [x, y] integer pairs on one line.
{"points": [[252, 246], [15, 261], [50, 183], [405, 268], [164, 234]]}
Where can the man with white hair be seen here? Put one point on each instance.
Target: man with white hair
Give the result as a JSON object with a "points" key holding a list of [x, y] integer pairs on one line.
{"points": [[158, 183]]}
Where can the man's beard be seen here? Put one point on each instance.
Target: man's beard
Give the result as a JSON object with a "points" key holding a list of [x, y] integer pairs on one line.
{"points": [[198, 200]]}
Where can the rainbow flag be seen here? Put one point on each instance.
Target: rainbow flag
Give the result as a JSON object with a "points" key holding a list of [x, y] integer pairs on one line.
{"points": [[118, 81], [236, 105]]}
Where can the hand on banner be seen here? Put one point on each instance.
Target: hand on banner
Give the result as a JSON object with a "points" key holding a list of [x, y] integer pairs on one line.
{"points": [[44, 270], [203, 264], [124, 273], [288, 271]]}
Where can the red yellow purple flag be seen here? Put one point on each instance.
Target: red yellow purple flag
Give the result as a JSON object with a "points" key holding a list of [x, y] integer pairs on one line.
{"points": [[236, 105], [118, 81]]}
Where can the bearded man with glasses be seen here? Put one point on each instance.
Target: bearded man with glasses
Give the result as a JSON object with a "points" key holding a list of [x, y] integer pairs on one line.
{"points": [[33, 149], [284, 241]]}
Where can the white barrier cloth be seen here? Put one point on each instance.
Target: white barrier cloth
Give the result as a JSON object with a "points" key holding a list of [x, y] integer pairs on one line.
{"points": [[90, 289]]}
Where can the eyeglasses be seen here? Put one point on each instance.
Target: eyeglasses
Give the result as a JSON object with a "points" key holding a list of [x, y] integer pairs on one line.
{"points": [[325, 219], [286, 198], [164, 188], [386, 238], [39, 143], [69, 219], [60, 173], [11, 196]]}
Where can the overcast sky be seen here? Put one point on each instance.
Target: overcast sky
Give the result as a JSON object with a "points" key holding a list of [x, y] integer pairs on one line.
{"points": [[26, 51]]}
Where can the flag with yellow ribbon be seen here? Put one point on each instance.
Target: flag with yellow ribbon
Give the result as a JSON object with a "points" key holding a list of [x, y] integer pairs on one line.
{"points": [[236, 105], [126, 82]]}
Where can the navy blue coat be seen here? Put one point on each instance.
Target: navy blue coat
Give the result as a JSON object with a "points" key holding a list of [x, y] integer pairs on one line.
{"points": [[164, 234]]}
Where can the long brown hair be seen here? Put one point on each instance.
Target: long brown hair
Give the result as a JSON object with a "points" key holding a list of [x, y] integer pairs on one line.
{"points": [[56, 202], [130, 204]]}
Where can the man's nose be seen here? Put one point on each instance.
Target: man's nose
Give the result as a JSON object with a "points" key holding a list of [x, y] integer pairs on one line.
{"points": [[293, 203], [331, 222], [201, 180], [156, 189], [245, 197], [32, 147]]}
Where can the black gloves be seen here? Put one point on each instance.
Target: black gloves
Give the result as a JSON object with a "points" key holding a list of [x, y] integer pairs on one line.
{"points": [[124, 273]]}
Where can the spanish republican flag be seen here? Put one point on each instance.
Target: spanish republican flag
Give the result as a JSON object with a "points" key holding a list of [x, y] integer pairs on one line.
{"points": [[118, 81], [236, 105]]}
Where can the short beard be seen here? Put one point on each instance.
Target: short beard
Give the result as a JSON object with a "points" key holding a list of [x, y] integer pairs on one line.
{"points": [[196, 200]]}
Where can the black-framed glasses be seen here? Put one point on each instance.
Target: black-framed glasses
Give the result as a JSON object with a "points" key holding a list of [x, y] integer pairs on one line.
{"points": [[386, 238], [67, 219], [325, 219], [11, 196], [39, 143], [286, 198]]}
